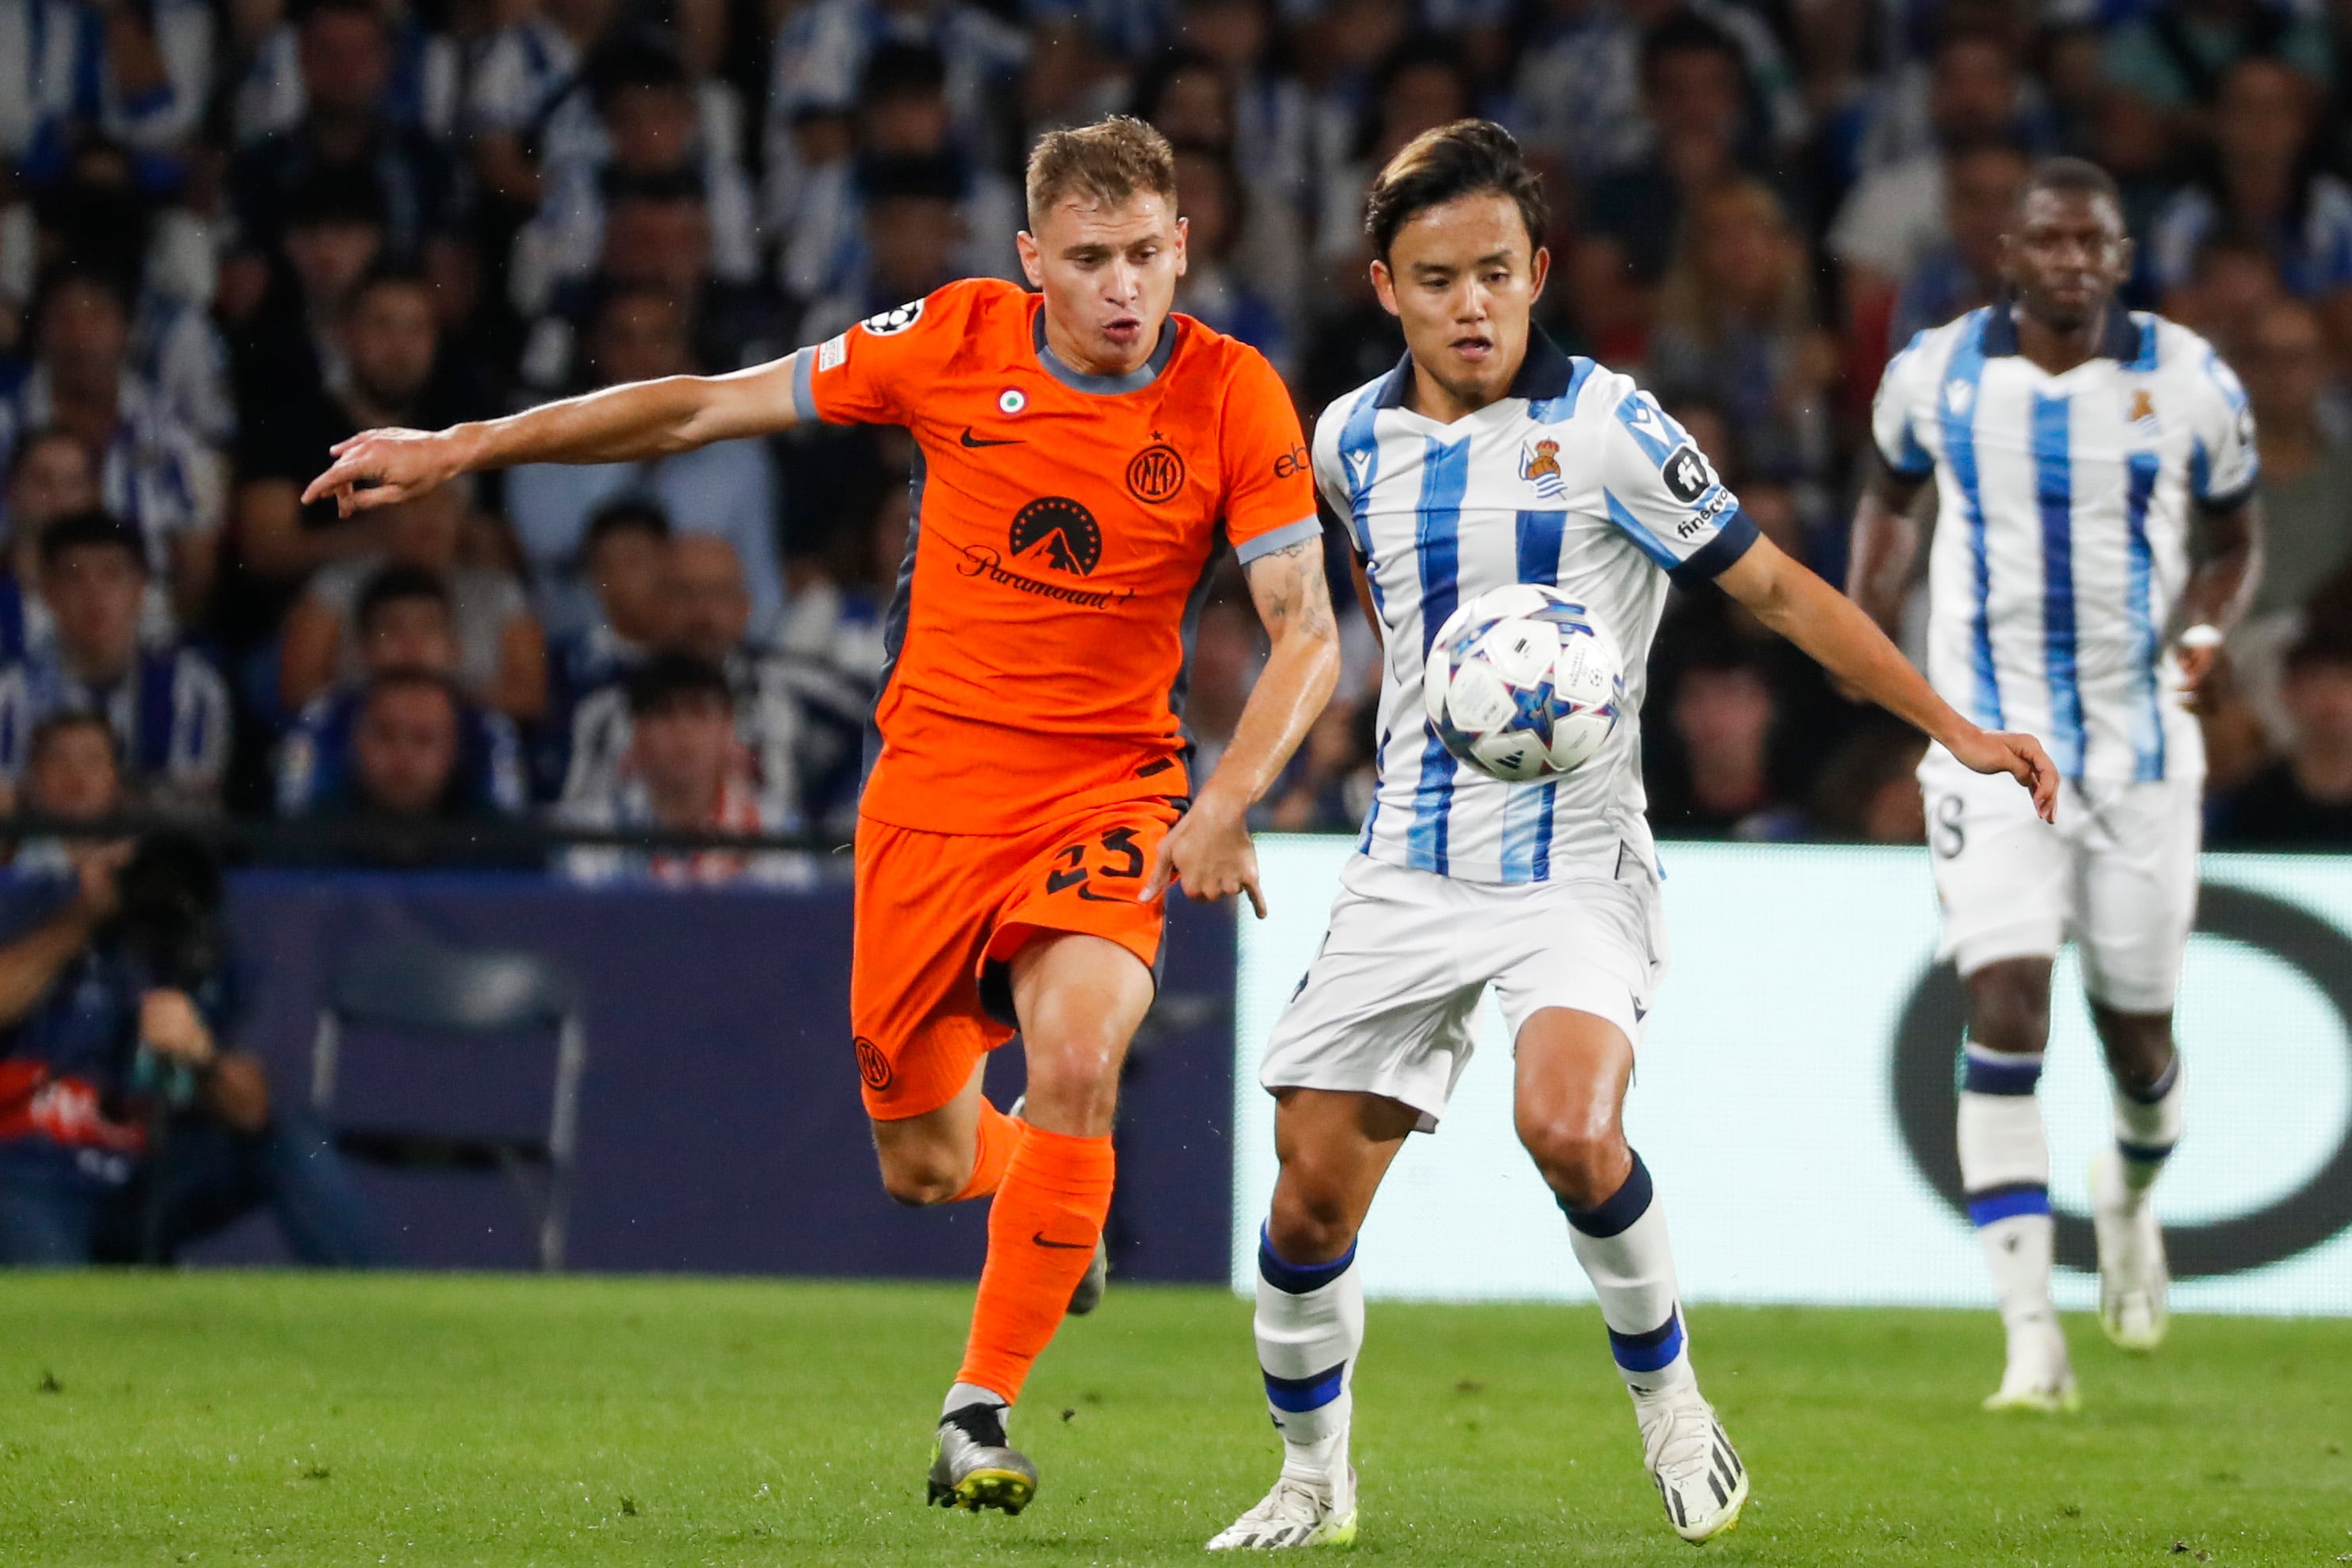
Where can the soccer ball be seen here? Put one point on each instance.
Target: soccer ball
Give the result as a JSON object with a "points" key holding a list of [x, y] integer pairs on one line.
{"points": [[1522, 685]]}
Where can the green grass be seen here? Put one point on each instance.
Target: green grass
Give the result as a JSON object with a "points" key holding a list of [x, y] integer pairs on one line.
{"points": [[232, 1419]]}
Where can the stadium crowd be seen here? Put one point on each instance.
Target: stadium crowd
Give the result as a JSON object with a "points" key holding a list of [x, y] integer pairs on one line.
{"points": [[233, 235]]}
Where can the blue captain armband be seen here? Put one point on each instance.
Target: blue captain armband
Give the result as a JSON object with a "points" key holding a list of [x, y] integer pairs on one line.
{"points": [[1719, 555]]}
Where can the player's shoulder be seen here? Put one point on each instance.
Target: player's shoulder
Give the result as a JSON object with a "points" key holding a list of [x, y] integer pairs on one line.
{"points": [[2167, 345], [1221, 355], [1360, 404], [968, 307], [1931, 349]]}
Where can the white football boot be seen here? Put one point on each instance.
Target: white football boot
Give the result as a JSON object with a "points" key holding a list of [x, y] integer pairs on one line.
{"points": [[2132, 1276], [2038, 1375], [1698, 1473], [1298, 1511]]}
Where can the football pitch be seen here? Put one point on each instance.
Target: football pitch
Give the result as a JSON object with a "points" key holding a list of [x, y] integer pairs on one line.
{"points": [[241, 1418]]}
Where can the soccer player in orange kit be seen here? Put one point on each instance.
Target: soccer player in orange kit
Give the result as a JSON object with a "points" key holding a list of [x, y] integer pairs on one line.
{"points": [[1084, 454]]}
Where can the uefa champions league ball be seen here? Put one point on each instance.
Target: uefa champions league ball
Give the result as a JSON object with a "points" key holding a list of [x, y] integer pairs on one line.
{"points": [[1522, 684]]}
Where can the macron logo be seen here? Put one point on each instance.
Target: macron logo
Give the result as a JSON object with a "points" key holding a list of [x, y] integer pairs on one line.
{"points": [[1958, 395], [1360, 465]]}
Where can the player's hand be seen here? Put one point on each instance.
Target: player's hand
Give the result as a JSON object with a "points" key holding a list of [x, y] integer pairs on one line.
{"points": [[2196, 664], [2020, 756], [377, 467], [1211, 853], [170, 1025]]}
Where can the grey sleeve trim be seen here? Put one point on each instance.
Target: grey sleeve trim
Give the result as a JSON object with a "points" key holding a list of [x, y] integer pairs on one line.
{"points": [[805, 386], [1283, 538]]}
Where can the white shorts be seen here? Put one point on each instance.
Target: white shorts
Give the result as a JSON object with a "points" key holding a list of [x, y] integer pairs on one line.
{"points": [[1388, 1005], [2116, 875]]}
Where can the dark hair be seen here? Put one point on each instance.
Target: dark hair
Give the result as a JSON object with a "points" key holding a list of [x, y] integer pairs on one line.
{"points": [[307, 9], [628, 514], [681, 185], [107, 280], [931, 177], [903, 70], [2325, 644], [92, 529], [336, 195], [2071, 176], [668, 681], [1159, 73], [1687, 33], [1467, 157], [634, 60], [2231, 239], [394, 584]]}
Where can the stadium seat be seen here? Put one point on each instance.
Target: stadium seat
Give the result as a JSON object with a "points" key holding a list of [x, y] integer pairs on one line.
{"points": [[475, 1000]]}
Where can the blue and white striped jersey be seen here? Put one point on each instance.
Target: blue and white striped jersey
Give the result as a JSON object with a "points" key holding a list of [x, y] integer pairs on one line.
{"points": [[2062, 533], [1577, 479]]}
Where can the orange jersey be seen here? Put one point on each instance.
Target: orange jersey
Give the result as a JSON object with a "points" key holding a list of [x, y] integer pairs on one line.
{"points": [[1063, 530]]}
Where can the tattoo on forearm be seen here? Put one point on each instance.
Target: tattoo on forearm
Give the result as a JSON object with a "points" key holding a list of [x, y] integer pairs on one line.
{"points": [[1288, 583]]}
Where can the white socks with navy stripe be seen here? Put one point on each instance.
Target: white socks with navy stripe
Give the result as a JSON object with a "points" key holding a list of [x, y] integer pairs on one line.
{"points": [[2005, 1176], [2148, 1124], [1622, 1242], [1310, 1330]]}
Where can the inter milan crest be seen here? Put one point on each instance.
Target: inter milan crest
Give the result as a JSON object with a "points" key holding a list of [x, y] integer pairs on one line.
{"points": [[1540, 466]]}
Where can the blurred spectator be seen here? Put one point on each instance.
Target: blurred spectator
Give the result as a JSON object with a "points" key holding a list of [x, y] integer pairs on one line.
{"points": [[909, 232], [834, 644], [420, 90], [2306, 468], [1226, 654], [710, 619], [288, 342], [49, 476], [409, 776], [139, 73], [654, 127], [2304, 800], [2263, 182], [1189, 95], [2174, 56], [1896, 216], [1693, 100], [727, 489], [626, 561], [1735, 321], [1869, 791], [525, 102], [1267, 120], [129, 1126], [407, 625], [820, 57], [393, 373], [154, 472], [1722, 715], [166, 706], [1423, 84], [344, 50], [501, 656], [2233, 278], [902, 113], [680, 775], [1329, 785], [1214, 204], [1980, 189]]}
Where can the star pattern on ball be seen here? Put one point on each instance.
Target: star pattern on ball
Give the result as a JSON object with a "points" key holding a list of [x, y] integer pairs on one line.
{"points": [[1539, 707]]}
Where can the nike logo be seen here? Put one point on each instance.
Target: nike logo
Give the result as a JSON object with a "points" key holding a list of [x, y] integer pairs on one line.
{"points": [[1039, 1239], [978, 441]]}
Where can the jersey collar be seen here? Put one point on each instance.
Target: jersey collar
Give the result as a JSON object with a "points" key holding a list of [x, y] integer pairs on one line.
{"points": [[1136, 380], [2119, 339], [1545, 372]]}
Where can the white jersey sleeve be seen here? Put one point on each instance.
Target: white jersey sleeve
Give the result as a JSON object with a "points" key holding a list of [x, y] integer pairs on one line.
{"points": [[1902, 402], [1338, 488], [1662, 492], [2222, 463]]}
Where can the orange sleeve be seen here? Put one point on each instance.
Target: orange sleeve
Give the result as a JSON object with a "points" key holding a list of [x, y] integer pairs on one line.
{"points": [[1269, 484], [875, 373]]}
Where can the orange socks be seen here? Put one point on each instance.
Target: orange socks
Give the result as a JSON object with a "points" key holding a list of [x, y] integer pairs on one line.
{"points": [[1049, 1211], [999, 1135]]}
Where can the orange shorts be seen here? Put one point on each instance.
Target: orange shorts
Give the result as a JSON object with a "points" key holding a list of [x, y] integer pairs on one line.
{"points": [[940, 916]]}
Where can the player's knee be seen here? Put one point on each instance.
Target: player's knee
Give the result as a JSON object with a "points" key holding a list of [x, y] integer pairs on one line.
{"points": [[2139, 1046], [920, 1179], [1308, 1225], [1581, 1161], [2008, 1013]]}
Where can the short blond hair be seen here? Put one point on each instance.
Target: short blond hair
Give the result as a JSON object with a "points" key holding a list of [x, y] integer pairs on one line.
{"points": [[1111, 162]]}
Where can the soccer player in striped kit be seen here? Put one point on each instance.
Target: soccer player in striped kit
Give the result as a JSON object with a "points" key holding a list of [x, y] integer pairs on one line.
{"points": [[1488, 456], [2073, 443]]}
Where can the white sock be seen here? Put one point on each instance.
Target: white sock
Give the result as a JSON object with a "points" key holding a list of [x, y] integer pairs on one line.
{"points": [[963, 1394], [2005, 1172], [1310, 1328], [2148, 1124], [1622, 1242]]}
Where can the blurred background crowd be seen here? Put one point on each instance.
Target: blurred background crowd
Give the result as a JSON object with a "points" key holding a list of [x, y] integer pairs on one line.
{"points": [[234, 232]]}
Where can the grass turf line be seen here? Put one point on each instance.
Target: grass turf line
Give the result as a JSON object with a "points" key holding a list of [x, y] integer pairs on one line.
{"points": [[288, 1419]]}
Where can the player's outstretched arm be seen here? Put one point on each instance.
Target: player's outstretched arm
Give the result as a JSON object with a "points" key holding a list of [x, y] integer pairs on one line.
{"points": [[1848, 644], [618, 425], [1210, 851], [1885, 541]]}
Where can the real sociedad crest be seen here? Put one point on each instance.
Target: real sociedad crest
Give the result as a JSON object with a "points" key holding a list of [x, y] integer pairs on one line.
{"points": [[1540, 466]]}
